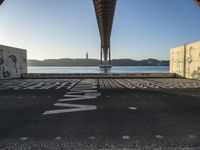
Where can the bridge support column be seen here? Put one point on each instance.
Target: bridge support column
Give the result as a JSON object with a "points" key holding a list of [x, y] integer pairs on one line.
{"points": [[105, 55]]}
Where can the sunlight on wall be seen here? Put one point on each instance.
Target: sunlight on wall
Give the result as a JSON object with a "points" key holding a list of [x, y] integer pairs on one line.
{"points": [[13, 62], [185, 60]]}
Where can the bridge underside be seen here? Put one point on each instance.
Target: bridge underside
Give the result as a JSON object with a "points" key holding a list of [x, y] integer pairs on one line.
{"points": [[1, 1], [197, 2], [105, 10]]}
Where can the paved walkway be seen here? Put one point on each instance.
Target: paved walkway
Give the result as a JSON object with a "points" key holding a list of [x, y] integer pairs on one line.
{"points": [[151, 83], [99, 114]]}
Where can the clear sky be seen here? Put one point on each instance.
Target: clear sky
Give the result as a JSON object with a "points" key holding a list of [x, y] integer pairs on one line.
{"points": [[68, 28]]}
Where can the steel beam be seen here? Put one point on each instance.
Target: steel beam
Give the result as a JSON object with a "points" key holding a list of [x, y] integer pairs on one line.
{"points": [[105, 10], [197, 2], [1, 1]]}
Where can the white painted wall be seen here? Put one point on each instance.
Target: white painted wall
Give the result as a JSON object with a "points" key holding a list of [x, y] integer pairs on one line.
{"points": [[185, 60], [13, 62]]}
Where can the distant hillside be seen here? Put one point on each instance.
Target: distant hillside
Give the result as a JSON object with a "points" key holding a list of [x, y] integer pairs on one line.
{"points": [[95, 62]]}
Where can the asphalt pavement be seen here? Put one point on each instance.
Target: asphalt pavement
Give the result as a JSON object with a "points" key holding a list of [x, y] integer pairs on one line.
{"points": [[99, 114]]}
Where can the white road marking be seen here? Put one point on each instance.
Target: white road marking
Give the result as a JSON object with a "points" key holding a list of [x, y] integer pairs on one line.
{"points": [[93, 94], [91, 138], [62, 85], [78, 97], [35, 86], [81, 91], [76, 108], [191, 136], [89, 93], [58, 138], [125, 137], [24, 138], [159, 137], [84, 87], [132, 108], [38, 84], [103, 83]]}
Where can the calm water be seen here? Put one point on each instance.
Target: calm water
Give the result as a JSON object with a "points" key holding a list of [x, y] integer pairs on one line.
{"points": [[134, 69]]}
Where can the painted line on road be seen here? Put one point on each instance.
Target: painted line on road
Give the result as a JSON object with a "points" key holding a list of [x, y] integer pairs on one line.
{"points": [[91, 138], [192, 136], [126, 137], [159, 137], [84, 90], [132, 108], [24, 138], [58, 138]]}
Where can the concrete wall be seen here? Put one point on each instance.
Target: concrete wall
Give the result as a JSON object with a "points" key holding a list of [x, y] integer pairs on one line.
{"points": [[13, 62], [185, 60]]}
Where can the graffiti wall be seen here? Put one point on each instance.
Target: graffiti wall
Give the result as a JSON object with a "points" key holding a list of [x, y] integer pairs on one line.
{"points": [[185, 60], [13, 62], [177, 60]]}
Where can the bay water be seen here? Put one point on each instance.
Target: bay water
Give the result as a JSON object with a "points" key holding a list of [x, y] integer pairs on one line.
{"points": [[115, 69]]}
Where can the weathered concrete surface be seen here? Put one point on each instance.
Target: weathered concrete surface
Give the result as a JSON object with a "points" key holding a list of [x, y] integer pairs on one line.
{"points": [[124, 118], [185, 60], [13, 62]]}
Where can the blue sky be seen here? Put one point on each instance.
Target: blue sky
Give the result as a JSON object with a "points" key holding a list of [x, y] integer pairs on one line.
{"points": [[68, 28]]}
